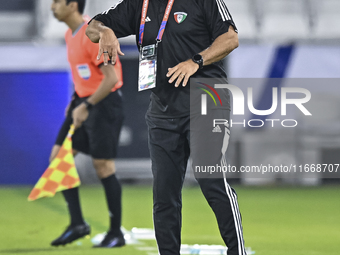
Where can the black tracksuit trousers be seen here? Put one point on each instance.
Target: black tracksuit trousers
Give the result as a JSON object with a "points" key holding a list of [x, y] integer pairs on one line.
{"points": [[169, 143]]}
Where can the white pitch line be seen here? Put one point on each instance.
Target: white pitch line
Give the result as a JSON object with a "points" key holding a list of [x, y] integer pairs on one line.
{"points": [[147, 248]]}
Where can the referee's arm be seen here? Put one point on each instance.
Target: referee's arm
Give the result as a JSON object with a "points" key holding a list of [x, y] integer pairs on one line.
{"points": [[81, 113]]}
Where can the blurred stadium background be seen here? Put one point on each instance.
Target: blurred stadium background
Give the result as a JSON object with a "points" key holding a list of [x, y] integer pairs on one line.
{"points": [[278, 39]]}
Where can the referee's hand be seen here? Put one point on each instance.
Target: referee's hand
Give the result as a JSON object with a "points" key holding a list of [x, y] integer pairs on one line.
{"points": [[79, 115]]}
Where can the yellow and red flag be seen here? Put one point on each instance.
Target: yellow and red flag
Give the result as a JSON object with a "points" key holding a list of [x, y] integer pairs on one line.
{"points": [[61, 173]]}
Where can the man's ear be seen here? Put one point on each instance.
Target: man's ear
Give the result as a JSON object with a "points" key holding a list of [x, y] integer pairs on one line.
{"points": [[74, 6]]}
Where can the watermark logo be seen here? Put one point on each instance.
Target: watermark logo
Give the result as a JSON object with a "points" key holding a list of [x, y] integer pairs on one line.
{"points": [[281, 98], [238, 100], [204, 97]]}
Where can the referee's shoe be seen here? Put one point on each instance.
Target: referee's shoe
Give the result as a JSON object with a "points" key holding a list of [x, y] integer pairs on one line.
{"points": [[72, 233]]}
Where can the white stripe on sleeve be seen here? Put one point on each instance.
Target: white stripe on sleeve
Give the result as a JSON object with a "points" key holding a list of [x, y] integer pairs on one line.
{"points": [[113, 7]]}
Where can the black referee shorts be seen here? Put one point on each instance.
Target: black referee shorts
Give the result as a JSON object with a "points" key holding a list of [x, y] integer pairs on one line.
{"points": [[99, 134]]}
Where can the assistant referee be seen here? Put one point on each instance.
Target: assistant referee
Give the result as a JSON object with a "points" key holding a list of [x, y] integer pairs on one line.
{"points": [[97, 114]]}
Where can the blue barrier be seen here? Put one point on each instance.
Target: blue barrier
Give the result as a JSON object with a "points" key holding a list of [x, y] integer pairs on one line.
{"points": [[31, 112]]}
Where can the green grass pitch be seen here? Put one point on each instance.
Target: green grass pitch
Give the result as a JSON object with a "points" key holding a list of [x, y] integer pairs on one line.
{"points": [[276, 220]]}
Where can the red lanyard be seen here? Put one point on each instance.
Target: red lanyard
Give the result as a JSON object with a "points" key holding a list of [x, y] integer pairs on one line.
{"points": [[164, 22]]}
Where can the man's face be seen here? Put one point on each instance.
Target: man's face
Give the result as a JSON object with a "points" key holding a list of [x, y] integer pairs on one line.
{"points": [[60, 9]]}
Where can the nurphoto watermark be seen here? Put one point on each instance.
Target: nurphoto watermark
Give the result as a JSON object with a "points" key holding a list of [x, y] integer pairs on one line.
{"points": [[284, 112]]}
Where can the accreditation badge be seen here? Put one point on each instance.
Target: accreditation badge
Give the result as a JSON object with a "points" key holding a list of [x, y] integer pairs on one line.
{"points": [[147, 67]]}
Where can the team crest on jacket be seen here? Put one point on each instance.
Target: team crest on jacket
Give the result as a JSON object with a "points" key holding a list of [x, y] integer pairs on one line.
{"points": [[180, 17]]}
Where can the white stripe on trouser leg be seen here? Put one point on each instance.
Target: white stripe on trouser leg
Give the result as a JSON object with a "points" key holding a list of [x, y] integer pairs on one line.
{"points": [[232, 198], [237, 218]]}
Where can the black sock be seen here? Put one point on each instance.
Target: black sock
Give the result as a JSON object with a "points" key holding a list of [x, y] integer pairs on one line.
{"points": [[72, 198], [113, 192]]}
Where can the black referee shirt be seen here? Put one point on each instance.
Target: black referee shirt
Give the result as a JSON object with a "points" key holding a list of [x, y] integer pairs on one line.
{"points": [[205, 21]]}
